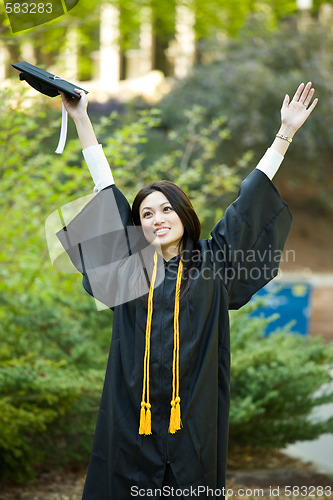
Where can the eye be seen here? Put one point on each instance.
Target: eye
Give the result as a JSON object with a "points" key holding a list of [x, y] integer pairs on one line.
{"points": [[146, 214], [167, 209]]}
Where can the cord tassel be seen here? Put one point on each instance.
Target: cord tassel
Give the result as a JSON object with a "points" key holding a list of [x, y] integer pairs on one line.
{"points": [[172, 425], [175, 420], [178, 422], [142, 428], [148, 420]]}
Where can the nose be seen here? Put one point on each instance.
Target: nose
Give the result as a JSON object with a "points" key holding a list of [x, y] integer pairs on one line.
{"points": [[159, 218]]}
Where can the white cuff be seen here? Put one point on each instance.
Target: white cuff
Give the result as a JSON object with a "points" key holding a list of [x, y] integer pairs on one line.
{"points": [[99, 167], [270, 162]]}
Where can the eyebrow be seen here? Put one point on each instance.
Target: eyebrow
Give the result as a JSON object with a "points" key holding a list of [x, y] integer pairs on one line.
{"points": [[161, 205]]}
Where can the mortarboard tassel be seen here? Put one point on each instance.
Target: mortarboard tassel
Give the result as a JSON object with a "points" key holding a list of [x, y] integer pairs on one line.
{"points": [[63, 131]]}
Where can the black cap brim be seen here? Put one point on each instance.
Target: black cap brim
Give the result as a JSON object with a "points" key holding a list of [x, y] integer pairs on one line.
{"points": [[45, 82]]}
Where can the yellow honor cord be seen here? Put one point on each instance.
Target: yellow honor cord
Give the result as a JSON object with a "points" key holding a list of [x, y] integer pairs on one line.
{"points": [[175, 418], [145, 412]]}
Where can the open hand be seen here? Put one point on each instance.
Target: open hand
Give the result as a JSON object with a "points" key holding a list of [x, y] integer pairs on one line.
{"points": [[295, 112]]}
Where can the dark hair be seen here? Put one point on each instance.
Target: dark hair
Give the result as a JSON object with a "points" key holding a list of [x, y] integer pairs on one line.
{"points": [[179, 202], [185, 211]]}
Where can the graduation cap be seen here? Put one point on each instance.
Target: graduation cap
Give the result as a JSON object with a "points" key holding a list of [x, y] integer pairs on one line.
{"points": [[49, 84]]}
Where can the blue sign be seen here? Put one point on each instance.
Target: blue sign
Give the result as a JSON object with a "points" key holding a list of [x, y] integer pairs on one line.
{"points": [[292, 301]]}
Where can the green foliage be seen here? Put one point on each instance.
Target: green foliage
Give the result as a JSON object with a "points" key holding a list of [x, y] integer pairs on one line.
{"points": [[247, 81], [33, 184], [211, 16], [52, 362], [212, 19], [276, 382], [53, 343]]}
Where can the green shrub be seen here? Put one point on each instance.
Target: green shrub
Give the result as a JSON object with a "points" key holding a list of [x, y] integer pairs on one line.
{"points": [[52, 362], [276, 382]]}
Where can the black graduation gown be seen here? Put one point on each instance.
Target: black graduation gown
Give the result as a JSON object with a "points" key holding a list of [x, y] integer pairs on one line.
{"points": [[240, 257]]}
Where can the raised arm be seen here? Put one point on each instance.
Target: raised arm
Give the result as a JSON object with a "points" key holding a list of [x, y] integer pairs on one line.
{"points": [[77, 110], [293, 115], [92, 151]]}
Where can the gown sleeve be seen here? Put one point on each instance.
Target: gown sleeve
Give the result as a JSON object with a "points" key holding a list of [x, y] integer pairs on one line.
{"points": [[105, 248], [247, 243]]}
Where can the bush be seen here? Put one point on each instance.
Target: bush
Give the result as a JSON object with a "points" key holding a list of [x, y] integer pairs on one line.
{"points": [[52, 362], [276, 382]]}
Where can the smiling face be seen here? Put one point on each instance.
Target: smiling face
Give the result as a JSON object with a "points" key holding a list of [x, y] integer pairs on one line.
{"points": [[160, 223]]}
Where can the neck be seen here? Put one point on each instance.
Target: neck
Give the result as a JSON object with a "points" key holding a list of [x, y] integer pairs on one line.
{"points": [[169, 252]]}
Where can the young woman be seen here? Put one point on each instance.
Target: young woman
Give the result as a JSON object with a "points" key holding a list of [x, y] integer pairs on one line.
{"points": [[163, 418]]}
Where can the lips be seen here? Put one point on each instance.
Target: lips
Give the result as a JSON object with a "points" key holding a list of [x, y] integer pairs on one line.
{"points": [[161, 231]]}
